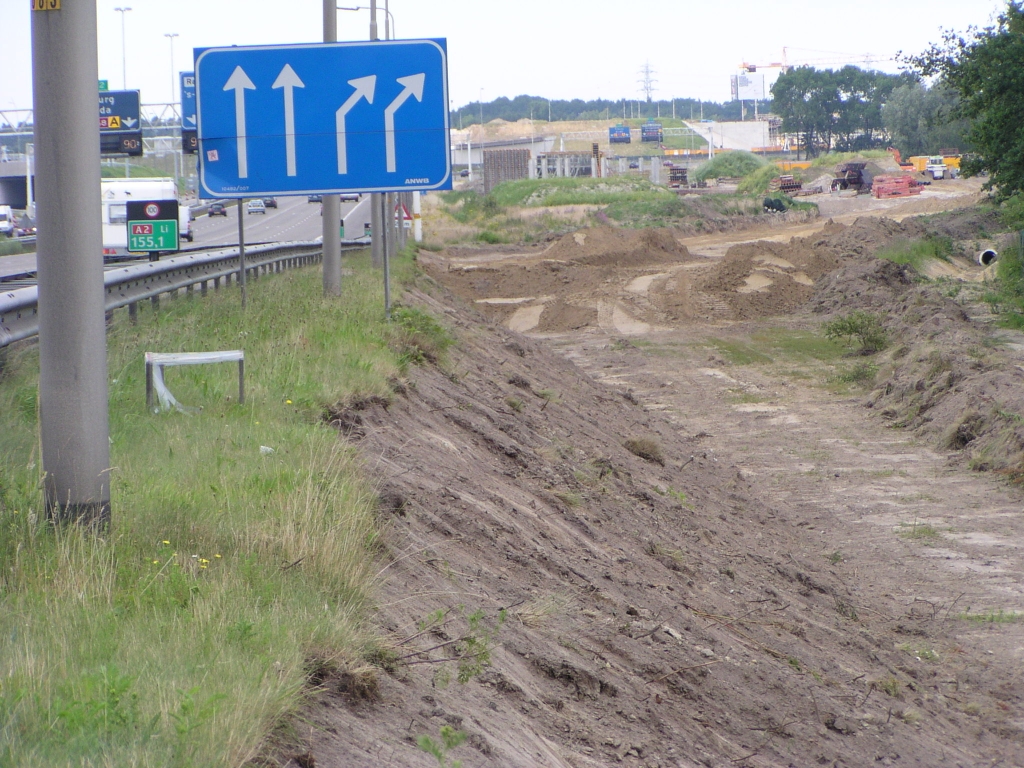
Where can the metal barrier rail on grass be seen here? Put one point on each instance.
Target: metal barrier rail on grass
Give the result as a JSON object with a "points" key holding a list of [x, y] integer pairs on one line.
{"points": [[127, 286]]}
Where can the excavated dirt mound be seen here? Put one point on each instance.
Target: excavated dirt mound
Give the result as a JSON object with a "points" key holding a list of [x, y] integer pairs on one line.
{"points": [[607, 246], [657, 611], [631, 281]]}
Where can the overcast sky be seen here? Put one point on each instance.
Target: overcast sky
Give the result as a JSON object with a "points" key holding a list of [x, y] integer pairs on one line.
{"points": [[557, 49]]}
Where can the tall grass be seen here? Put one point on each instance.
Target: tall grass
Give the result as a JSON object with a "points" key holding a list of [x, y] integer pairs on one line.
{"points": [[241, 543], [917, 253]]}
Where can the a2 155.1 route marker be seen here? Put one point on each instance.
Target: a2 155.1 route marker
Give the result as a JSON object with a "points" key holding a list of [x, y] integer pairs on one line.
{"points": [[323, 118]]}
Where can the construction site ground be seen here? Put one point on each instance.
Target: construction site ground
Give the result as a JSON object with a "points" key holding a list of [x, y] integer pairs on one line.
{"points": [[689, 541]]}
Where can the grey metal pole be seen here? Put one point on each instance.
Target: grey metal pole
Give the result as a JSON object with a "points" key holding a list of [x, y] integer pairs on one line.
{"points": [[386, 231], [331, 203], [72, 342], [241, 249], [377, 222]]}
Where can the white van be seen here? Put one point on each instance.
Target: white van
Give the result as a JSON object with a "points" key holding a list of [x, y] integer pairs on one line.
{"points": [[115, 194], [6, 221]]}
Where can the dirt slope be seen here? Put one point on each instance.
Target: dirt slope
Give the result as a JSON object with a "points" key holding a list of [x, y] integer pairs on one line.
{"points": [[679, 612]]}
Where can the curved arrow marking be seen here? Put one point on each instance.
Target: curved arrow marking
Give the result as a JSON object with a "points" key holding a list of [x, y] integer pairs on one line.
{"points": [[413, 86], [365, 87], [289, 81], [239, 82]]}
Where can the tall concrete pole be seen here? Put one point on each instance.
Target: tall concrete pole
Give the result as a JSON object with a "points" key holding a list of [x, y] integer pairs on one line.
{"points": [[72, 341], [331, 204], [377, 221]]}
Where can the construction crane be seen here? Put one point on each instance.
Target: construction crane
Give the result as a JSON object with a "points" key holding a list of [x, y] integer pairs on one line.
{"points": [[836, 58]]}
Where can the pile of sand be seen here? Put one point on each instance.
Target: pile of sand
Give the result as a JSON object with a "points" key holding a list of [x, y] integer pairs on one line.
{"points": [[608, 246]]}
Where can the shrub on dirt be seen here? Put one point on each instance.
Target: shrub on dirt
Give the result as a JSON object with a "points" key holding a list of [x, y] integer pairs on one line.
{"points": [[419, 338], [862, 328], [730, 165], [646, 448]]}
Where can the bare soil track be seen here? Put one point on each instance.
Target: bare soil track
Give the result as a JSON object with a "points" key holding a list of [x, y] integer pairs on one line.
{"points": [[786, 579]]}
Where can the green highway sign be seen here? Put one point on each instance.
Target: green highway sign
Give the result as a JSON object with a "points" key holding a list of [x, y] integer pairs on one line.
{"points": [[147, 236], [152, 226]]}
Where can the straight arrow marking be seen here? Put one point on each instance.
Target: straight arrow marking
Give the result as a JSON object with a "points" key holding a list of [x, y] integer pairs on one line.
{"points": [[412, 86], [289, 81], [239, 82], [365, 87]]}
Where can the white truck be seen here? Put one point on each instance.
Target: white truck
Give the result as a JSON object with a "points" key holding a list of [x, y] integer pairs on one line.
{"points": [[115, 194], [7, 225], [936, 167]]}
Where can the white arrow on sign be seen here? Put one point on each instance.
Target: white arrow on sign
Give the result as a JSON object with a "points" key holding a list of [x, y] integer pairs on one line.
{"points": [[288, 80], [413, 86], [191, 119], [129, 121], [364, 89], [239, 82]]}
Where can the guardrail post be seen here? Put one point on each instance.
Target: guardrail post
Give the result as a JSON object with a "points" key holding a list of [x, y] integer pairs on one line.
{"points": [[155, 303], [133, 313]]}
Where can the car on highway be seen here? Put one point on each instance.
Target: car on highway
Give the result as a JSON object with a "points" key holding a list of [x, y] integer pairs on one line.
{"points": [[349, 197], [315, 199], [464, 173], [217, 209], [270, 202], [634, 165], [255, 206]]}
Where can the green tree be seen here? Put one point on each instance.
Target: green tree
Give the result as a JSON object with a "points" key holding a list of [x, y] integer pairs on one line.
{"points": [[922, 120], [985, 69], [834, 109]]}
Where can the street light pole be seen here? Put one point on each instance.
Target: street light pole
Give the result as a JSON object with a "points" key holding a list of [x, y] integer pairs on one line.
{"points": [[170, 36], [124, 67], [124, 76], [73, 411]]}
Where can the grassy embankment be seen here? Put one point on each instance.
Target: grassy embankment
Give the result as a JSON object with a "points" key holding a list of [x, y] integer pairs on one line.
{"points": [[240, 553], [528, 210]]}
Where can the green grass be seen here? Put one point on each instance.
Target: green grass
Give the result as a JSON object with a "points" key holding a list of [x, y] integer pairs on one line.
{"points": [[993, 617], [182, 636], [569, 191], [729, 164], [918, 530], [756, 182], [1006, 292], [830, 159], [13, 247], [917, 253], [116, 171]]}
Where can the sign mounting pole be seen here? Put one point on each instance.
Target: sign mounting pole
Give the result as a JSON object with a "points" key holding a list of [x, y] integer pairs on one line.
{"points": [[331, 203]]}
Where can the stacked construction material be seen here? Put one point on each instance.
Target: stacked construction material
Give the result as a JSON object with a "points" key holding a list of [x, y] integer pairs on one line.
{"points": [[786, 184], [851, 176], [885, 187]]}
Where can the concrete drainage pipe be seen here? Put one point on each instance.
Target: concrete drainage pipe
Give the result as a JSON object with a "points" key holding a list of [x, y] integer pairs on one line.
{"points": [[987, 257]]}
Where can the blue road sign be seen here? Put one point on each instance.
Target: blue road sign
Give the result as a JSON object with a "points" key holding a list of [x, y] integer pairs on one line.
{"points": [[323, 118], [187, 81], [119, 111]]}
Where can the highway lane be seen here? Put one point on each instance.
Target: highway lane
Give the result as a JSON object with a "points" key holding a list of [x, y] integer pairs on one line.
{"points": [[293, 219]]}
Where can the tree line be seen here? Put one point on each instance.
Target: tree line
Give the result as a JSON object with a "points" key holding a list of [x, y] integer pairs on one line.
{"points": [[539, 108], [852, 109]]}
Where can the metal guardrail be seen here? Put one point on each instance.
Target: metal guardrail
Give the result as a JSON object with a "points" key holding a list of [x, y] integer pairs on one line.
{"points": [[127, 286]]}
